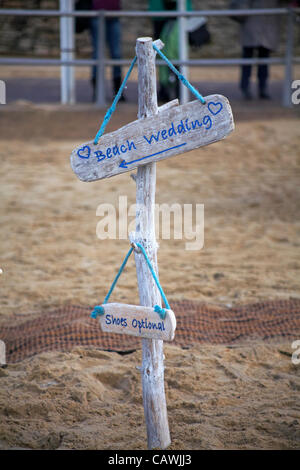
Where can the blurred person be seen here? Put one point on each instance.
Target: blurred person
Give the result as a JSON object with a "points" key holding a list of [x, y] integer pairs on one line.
{"points": [[166, 29], [169, 34], [82, 23], [113, 39], [197, 36], [159, 22], [259, 35]]}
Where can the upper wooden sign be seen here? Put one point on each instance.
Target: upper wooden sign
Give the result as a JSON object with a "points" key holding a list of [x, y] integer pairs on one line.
{"points": [[172, 132], [138, 321]]}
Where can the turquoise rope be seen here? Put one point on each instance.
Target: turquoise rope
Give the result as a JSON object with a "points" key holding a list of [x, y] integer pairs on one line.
{"points": [[112, 109], [99, 310], [118, 275], [154, 275], [180, 76]]}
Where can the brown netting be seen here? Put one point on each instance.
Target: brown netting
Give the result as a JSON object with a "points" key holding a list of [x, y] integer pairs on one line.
{"points": [[66, 327]]}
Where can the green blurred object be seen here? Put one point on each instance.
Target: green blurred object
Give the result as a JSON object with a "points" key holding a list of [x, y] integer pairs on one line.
{"points": [[159, 5], [169, 37], [197, 36], [160, 21]]}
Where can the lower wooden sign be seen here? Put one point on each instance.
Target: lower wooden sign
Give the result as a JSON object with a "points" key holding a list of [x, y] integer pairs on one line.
{"points": [[171, 132], [138, 321]]}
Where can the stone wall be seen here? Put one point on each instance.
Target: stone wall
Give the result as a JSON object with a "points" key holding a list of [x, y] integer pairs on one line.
{"points": [[39, 36]]}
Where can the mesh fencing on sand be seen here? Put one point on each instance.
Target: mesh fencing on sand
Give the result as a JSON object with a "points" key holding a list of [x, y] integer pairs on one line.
{"points": [[197, 323]]}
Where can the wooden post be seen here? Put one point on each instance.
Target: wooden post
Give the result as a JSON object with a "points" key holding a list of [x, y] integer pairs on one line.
{"points": [[93, 161], [152, 370]]}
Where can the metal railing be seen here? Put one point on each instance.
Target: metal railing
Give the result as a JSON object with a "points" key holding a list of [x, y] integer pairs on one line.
{"points": [[101, 62]]}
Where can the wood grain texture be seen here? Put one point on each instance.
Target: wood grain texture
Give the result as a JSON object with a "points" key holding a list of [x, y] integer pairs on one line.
{"points": [[138, 320], [175, 130], [152, 370]]}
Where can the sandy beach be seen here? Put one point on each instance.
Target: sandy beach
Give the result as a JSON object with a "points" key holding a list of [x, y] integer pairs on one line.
{"points": [[241, 396]]}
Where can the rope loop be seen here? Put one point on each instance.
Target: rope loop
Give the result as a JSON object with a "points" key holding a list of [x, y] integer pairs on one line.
{"points": [[112, 108], [180, 76], [99, 309]]}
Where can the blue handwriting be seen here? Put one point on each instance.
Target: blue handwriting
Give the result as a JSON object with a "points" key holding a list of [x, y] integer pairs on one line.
{"points": [[144, 324]]}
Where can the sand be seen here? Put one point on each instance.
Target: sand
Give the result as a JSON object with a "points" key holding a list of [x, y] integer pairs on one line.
{"points": [[219, 397], [249, 185]]}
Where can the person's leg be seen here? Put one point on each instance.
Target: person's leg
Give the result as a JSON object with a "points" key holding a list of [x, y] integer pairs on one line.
{"points": [[263, 73], [246, 73], [158, 27], [113, 37]]}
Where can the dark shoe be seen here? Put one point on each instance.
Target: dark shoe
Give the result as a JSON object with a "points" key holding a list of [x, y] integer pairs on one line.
{"points": [[264, 96], [247, 95], [163, 94]]}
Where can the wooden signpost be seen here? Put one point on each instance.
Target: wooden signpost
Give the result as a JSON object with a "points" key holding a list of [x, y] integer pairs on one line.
{"points": [[138, 321], [175, 131], [157, 134]]}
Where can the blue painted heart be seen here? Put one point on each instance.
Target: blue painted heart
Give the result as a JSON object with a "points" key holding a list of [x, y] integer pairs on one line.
{"points": [[215, 108], [84, 152]]}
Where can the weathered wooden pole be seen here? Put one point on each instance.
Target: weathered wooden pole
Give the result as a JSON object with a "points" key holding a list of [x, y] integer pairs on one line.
{"points": [[152, 370], [205, 121]]}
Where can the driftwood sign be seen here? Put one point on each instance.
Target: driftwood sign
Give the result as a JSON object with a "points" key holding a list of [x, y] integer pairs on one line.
{"points": [[172, 132], [138, 321]]}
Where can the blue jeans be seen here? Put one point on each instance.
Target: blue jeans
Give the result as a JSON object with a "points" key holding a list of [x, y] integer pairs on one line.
{"points": [[113, 39], [262, 69]]}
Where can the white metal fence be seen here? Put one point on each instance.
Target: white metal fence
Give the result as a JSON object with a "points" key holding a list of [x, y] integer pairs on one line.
{"points": [[67, 61]]}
